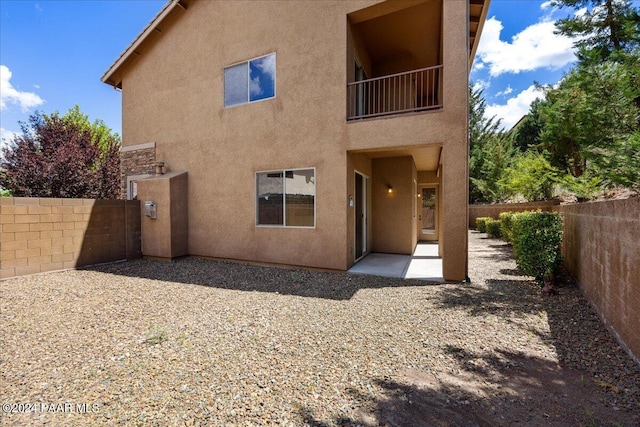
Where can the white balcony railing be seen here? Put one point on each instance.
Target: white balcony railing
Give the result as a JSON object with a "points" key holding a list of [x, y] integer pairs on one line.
{"points": [[411, 91]]}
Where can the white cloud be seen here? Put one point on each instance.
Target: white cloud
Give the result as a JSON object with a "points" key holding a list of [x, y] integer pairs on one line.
{"points": [[537, 46], [6, 136], [255, 87], [481, 85], [10, 95], [505, 92], [267, 65], [515, 107], [546, 5]]}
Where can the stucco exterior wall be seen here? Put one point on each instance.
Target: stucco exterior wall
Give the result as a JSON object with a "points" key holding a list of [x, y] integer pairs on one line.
{"points": [[166, 235], [42, 234], [390, 210], [174, 95]]}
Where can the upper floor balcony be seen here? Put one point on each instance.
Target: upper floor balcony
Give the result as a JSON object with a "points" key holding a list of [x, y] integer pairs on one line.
{"points": [[395, 55], [394, 59], [407, 92]]}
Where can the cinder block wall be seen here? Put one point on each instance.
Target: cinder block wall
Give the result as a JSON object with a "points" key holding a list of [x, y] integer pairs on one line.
{"points": [[40, 234], [601, 248], [493, 211]]}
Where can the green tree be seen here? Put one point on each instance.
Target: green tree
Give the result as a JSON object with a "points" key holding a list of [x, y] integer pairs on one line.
{"points": [[101, 134], [531, 177], [605, 29], [590, 120], [490, 152], [56, 156], [527, 134]]}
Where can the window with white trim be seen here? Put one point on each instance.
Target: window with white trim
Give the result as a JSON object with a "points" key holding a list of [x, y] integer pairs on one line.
{"points": [[250, 81], [286, 198]]}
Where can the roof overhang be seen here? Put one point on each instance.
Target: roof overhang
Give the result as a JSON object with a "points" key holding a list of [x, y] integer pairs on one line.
{"points": [[478, 10], [113, 76]]}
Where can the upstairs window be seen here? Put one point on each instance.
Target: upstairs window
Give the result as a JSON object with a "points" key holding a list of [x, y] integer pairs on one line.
{"points": [[250, 81]]}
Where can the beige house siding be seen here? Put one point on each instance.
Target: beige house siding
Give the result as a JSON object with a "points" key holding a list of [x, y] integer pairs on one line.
{"points": [[173, 93]]}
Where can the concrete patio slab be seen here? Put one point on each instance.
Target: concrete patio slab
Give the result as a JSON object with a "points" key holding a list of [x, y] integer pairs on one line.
{"points": [[424, 264]]}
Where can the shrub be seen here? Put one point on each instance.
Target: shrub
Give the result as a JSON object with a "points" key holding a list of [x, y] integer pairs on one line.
{"points": [[506, 226], [536, 245], [493, 229], [531, 176], [481, 224]]}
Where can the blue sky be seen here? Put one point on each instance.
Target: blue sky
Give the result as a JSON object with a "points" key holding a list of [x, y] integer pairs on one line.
{"points": [[53, 53]]}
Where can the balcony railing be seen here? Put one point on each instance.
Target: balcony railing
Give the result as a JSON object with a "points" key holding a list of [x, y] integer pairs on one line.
{"points": [[408, 92]]}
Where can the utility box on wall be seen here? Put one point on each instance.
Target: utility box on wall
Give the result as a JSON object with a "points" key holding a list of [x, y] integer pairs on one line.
{"points": [[150, 209], [164, 223]]}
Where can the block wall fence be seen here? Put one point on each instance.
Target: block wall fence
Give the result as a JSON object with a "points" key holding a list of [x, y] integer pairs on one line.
{"points": [[42, 234], [601, 248], [494, 210]]}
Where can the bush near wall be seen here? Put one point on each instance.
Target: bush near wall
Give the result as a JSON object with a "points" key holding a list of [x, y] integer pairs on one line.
{"points": [[506, 226], [493, 229], [481, 223], [536, 245]]}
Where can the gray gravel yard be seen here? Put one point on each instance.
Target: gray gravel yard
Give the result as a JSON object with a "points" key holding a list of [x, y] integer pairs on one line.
{"points": [[201, 342]]}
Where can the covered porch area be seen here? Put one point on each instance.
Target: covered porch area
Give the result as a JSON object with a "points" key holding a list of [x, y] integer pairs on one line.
{"points": [[396, 225]]}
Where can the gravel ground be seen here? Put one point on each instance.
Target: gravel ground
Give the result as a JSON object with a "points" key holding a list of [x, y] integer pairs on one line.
{"points": [[200, 342]]}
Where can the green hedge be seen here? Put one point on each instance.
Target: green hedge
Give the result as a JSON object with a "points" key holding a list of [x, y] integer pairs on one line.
{"points": [[481, 223], [506, 226], [493, 229], [536, 244]]}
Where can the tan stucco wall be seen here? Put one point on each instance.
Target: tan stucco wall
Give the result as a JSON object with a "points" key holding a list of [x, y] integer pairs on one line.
{"points": [[47, 234], [393, 233], [173, 94], [165, 236]]}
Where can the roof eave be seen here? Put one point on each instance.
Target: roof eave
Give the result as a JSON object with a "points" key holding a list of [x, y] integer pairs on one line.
{"points": [[476, 41], [110, 76]]}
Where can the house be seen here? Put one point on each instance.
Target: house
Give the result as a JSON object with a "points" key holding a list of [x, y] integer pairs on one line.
{"points": [[306, 133]]}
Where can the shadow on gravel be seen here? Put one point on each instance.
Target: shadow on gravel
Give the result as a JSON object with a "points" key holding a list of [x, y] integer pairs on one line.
{"points": [[497, 297], [248, 277], [482, 389]]}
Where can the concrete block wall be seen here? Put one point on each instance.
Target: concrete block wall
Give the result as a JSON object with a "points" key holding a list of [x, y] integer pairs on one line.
{"points": [[601, 248], [41, 234], [494, 210]]}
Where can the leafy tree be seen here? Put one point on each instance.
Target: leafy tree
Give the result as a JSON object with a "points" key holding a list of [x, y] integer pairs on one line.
{"points": [[58, 156], [101, 134], [605, 29], [590, 120], [527, 134], [490, 152], [531, 177]]}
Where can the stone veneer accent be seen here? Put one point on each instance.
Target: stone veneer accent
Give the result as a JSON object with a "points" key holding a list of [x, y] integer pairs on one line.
{"points": [[136, 160]]}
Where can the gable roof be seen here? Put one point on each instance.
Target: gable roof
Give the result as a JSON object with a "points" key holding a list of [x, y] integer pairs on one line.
{"points": [[112, 75], [478, 10]]}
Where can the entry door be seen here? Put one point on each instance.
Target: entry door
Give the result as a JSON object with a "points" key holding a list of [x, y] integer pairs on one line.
{"points": [[428, 213], [361, 215]]}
